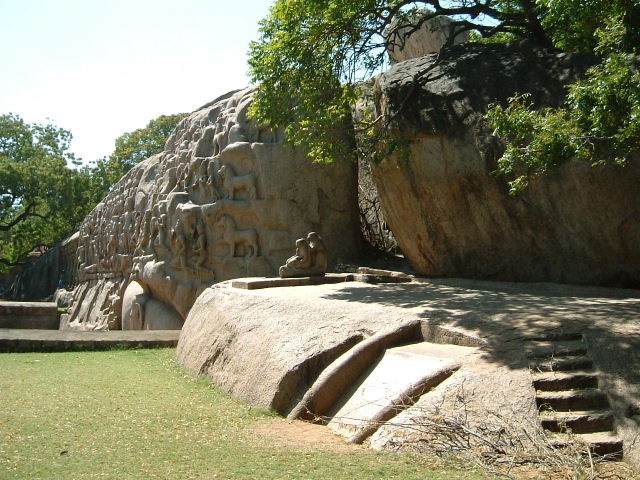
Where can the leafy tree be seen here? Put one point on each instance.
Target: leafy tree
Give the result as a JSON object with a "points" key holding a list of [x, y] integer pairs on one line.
{"points": [[311, 54], [42, 198], [133, 147], [599, 124], [45, 193]]}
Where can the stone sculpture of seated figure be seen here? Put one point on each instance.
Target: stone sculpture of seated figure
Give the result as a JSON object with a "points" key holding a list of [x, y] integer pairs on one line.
{"points": [[310, 258]]}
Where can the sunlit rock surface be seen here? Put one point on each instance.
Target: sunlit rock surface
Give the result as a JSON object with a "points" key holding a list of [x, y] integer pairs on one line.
{"points": [[225, 199]]}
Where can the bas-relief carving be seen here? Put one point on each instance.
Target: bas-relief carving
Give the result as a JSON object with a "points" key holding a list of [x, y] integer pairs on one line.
{"points": [[195, 214], [192, 226], [231, 183], [237, 240], [309, 260]]}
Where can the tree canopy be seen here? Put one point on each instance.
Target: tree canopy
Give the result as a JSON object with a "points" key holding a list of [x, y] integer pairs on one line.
{"points": [[42, 195], [45, 192], [600, 122], [133, 147], [311, 54]]}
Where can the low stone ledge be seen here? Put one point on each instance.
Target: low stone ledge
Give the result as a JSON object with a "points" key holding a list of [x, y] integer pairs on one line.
{"points": [[32, 340], [28, 308], [36, 315], [364, 276], [262, 282]]}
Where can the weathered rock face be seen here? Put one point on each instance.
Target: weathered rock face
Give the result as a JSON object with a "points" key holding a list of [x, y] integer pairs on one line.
{"points": [[225, 199], [268, 346], [327, 352], [429, 38], [453, 217]]}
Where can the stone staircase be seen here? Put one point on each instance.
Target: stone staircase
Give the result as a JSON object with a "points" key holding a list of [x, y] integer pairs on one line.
{"points": [[380, 376], [570, 404]]}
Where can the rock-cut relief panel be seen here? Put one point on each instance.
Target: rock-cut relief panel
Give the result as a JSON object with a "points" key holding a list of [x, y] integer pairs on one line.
{"points": [[177, 223]]}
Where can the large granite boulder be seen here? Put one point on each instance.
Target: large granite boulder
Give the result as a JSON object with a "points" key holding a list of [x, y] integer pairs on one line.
{"points": [[452, 216], [413, 42], [338, 353], [225, 199]]}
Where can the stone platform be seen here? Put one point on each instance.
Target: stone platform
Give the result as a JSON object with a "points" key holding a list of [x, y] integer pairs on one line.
{"points": [[32, 340], [364, 275], [372, 360], [40, 315]]}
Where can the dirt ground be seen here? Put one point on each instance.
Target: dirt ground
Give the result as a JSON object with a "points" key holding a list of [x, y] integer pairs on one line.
{"points": [[296, 433]]}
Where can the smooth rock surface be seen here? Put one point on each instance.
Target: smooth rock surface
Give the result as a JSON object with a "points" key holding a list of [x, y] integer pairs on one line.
{"points": [[399, 371], [271, 347], [267, 346], [453, 217]]}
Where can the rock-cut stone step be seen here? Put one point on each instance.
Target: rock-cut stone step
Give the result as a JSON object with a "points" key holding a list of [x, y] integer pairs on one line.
{"points": [[550, 350], [572, 400], [391, 384], [600, 443], [556, 381], [577, 422], [571, 406], [563, 364]]}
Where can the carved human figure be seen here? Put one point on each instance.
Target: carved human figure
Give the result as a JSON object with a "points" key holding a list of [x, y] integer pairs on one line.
{"points": [[200, 246], [81, 254], [310, 258], [160, 226], [153, 232], [111, 250], [181, 174], [145, 233], [209, 176], [318, 252], [302, 258], [179, 243], [137, 316], [92, 251]]}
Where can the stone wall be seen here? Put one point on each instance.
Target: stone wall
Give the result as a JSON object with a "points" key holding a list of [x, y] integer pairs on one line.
{"points": [[225, 199], [53, 269]]}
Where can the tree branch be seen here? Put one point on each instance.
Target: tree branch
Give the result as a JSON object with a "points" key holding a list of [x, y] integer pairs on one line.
{"points": [[28, 212], [15, 263]]}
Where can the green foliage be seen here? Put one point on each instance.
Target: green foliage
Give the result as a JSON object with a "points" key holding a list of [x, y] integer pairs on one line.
{"points": [[299, 66], [45, 193], [42, 198], [133, 147], [574, 24], [600, 123], [312, 53]]}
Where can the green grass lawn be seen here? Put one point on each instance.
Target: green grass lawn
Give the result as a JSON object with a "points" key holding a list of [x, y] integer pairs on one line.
{"points": [[129, 414]]}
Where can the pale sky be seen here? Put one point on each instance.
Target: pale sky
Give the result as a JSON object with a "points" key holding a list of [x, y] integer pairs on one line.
{"points": [[100, 68]]}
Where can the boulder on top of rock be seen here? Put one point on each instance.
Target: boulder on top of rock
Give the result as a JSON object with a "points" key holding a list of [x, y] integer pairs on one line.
{"points": [[453, 217]]}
